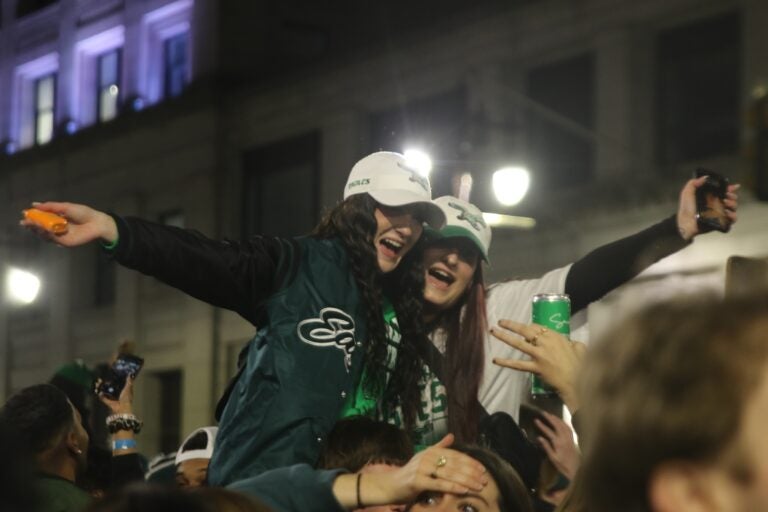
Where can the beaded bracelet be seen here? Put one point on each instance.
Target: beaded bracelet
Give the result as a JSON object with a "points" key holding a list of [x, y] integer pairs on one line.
{"points": [[117, 422]]}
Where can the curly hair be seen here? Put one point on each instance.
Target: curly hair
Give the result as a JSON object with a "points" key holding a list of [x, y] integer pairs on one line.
{"points": [[353, 222]]}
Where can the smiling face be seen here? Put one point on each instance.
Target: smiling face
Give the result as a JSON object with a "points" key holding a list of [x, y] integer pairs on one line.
{"points": [[397, 231], [449, 265]]}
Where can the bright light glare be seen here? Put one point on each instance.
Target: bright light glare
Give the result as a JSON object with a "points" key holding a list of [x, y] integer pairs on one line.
{"points": [[509, 221], [22, 286], [510, 185], [418, 161]]}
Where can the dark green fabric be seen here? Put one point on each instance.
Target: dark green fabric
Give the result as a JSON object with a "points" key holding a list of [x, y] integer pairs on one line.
{"points": [[59, 495], [299, 370]]}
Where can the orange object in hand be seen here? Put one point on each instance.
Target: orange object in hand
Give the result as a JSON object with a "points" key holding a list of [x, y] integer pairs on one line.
{"points": [[50, 222]]}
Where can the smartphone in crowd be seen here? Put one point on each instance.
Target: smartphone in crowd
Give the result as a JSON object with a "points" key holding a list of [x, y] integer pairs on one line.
{"points": [[710, 206], [112, 384]]}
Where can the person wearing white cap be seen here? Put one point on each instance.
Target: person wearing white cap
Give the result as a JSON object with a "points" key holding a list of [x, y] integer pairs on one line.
{"points": [[194, 456], [329, 308], [465, 317]]}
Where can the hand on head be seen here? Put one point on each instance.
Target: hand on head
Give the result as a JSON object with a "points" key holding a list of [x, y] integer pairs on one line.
{"points": [[84, 224], [438, 468]]}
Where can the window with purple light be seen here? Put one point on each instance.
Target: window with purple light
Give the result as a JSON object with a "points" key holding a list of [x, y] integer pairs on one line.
{"points": [[108, 85], [45, 99], [176, 60]]}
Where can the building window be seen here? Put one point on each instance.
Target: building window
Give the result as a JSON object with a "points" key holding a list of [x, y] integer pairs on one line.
{"points": [[698, 89], [45, 101], [175, 51], [108, 85], [166, 47], [25, 7], [287, 165], [558, 155]]}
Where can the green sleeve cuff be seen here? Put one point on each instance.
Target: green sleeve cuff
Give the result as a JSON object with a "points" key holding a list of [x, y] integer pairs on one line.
{"points": [[111, 245]]}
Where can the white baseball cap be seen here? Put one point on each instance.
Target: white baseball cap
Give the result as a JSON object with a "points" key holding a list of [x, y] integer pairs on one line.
{"points": [[464, 219], [390, 181], [204, 452]]}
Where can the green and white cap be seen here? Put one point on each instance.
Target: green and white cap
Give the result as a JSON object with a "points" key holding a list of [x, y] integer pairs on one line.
{"points": [[387, 178], [464, 219]]}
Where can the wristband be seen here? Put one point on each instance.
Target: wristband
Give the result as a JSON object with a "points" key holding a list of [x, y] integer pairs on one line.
{"points": [[111, 245], [117, 422], [123, 444]]}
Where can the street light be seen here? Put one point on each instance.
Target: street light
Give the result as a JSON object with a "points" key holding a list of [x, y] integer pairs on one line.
{"points": [[22, 287], [510, 185], [419, 161]]}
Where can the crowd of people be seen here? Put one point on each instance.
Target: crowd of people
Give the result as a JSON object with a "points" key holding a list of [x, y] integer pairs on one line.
{"points": [[385, 374]]}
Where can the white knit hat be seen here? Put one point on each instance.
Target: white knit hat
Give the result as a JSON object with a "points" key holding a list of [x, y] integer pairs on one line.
{"points": [[390, 181]]}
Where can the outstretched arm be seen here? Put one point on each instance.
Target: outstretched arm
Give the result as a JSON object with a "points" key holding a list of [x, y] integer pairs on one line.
{"points": [[612, 265], [84, 224], [233, 275]]}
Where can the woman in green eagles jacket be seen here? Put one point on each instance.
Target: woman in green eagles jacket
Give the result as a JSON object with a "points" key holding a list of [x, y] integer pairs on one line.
{"points": [[320, 304]]}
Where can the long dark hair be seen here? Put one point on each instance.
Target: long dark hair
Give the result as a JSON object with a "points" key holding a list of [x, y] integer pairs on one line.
{"points": [[465, 328], [353, 222]]}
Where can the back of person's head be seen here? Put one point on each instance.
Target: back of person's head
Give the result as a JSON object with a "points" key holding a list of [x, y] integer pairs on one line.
{"points": [[145, 497], [513, 494], [356, 441], [194, 456], [40, 414], [670, 386]]}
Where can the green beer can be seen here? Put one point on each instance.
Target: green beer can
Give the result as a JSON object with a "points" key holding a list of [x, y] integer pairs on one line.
{"points": [[553, 311]]}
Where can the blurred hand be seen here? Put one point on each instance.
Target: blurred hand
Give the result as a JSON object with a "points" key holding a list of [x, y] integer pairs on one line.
{"points": [[686, 213], [557, 441], [84, 224], [553, 356], [459, 474], [124, 404]]}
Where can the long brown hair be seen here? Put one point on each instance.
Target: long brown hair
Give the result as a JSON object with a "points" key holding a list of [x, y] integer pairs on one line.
{"points": [[353, 222], [465, 324]]}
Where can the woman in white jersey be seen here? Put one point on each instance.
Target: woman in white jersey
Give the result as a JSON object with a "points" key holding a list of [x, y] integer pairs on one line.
{"points": [[460, 311]]}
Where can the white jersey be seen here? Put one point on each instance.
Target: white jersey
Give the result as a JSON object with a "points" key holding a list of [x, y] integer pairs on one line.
{"points": [[502, 389]]}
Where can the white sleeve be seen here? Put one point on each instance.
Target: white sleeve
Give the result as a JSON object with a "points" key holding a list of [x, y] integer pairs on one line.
{"points": [[502, 388]]}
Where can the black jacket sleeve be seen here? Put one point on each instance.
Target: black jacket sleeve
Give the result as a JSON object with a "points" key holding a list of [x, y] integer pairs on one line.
{"points": [[612, 265], [238, 276]]}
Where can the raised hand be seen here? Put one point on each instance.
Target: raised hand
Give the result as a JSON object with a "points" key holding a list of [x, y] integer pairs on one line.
{"points": [[553, 356]]}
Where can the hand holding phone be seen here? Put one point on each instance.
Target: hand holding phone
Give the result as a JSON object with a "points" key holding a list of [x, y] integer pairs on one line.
{"points": [[112, 384], [710, 206]]}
